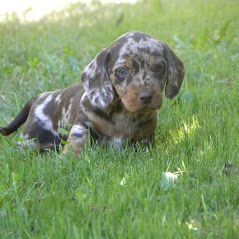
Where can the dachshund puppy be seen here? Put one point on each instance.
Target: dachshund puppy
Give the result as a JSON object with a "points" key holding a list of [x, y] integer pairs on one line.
{"points": [[117, 101]]}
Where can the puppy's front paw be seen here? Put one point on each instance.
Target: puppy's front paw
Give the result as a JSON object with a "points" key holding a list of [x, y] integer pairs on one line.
{"points": [[72, 148]]}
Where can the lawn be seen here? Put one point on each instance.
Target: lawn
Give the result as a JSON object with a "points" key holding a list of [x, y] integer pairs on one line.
{"points": [[103, 193]]}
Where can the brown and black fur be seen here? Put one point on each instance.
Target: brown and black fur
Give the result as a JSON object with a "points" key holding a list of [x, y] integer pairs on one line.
{"points": [[117, 101]]}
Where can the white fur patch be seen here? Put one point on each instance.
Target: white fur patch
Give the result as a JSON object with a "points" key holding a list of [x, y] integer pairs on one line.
{"points": [[145, 43], [83, 98], [99, 98], [58, 99], [151, 44], [45, 119], [117, 143], [78, 134], [66, 115], [135, 48], [91, 69], [96, 97], [78, 129]]}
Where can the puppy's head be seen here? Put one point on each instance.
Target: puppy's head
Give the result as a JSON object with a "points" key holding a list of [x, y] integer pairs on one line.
{"points": [[136, 69]]}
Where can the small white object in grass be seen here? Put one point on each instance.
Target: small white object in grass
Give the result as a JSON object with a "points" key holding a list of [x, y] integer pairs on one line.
{"points": [[123, 181], [117, 143], [193, 225], [168, 180], [170, 176]]}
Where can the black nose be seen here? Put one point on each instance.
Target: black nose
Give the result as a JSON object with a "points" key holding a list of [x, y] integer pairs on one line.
{"points": [[146, 97]]}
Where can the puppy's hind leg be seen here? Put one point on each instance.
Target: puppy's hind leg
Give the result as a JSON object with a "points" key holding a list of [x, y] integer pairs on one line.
{"points": [[44, 138]]}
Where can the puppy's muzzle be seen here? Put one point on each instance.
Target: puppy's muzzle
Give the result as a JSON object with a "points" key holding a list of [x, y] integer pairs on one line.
{"points": [[146, 97]]}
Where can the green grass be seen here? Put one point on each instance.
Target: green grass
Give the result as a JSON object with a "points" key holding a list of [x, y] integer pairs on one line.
{"points": [[108, 194]]}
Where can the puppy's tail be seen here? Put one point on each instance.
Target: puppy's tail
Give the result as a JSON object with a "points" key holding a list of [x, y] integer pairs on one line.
{"points": [[19, 120]]}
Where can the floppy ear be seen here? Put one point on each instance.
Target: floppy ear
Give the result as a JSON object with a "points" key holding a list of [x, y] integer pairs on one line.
{"points": [[96, 81], [175, 73]]}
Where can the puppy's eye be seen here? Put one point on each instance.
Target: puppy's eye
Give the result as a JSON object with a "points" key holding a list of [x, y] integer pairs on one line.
{"points": [[122, 72], [159, 68]]}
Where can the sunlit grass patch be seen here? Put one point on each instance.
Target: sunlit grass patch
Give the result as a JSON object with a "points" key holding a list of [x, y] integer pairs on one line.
{"points": [[187, 130]]}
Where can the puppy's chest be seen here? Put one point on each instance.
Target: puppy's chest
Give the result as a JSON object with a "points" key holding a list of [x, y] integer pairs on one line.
{"points": [[124, 125], [121, 126], [114, 130]]}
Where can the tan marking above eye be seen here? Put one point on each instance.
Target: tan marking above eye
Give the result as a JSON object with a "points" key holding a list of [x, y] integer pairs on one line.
{"points": [[129, 63]]}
